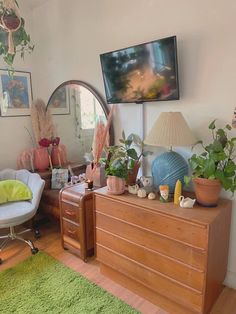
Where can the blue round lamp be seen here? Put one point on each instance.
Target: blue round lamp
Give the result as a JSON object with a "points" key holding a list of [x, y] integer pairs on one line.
{"points": [[170, 130]]}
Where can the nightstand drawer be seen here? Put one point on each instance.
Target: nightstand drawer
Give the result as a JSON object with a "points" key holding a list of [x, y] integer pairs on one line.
{"points": [[71, 230], [70, 212], [178, 229]]}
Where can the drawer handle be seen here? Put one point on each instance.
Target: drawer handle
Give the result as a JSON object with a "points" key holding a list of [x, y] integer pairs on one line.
{"points": [[69, 212], [72, 232]]}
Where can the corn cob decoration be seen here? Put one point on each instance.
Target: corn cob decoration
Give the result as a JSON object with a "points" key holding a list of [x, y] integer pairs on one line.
{"points": [[178, 192]]}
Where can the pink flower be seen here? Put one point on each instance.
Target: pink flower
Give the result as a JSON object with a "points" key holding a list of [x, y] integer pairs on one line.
{"points": [[44, 142]]}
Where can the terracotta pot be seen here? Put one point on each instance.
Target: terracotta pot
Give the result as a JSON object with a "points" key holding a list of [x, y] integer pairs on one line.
{"points": [[115, 185], [132, 174], [207, 191], [41, 158], [57, 156]]}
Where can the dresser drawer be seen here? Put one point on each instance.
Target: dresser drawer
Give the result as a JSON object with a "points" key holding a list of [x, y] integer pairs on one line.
{"points": [[179, 293], [71, 230], [178, 229], [169, 247], [153, 260], [70, 212]]}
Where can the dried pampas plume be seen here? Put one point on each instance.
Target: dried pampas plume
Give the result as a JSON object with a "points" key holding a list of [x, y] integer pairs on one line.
{"points": [[41, 118]]}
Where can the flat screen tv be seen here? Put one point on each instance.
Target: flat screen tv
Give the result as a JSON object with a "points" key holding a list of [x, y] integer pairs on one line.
{"points": [[146, 72]]}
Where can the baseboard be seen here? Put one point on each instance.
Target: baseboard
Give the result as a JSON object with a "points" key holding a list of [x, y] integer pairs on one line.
{"points": [[230, 280]]}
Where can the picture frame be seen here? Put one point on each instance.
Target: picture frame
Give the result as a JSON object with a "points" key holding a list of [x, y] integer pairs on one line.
{"points": [[59, 102], [59, 178], [15, 93]]}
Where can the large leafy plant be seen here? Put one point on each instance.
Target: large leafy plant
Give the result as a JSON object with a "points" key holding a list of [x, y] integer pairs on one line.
{"points": [[217, 159], [117, 168], [21, 39], [121, 158], [132, 149]]}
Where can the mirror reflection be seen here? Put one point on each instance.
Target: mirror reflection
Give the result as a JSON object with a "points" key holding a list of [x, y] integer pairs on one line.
{"points": [[76, 107]]}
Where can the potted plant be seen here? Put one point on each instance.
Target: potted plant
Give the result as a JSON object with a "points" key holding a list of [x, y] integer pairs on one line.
{"points": [[133, 149], [13, 36], [116, 172], [214, 168]]}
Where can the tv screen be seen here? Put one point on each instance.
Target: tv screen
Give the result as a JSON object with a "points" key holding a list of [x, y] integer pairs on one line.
{"points": [[146, 72]]}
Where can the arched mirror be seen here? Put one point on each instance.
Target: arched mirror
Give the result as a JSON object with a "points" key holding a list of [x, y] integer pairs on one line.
{"points": [[76, 107]]}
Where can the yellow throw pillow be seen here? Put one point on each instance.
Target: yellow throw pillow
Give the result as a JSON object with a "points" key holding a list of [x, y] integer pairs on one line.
{"points": [[14, 190]]}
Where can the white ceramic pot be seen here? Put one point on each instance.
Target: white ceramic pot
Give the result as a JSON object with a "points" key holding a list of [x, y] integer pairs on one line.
{"points": [[115, 185]]}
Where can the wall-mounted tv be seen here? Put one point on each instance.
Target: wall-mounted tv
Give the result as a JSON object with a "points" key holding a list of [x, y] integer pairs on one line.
{"points": [[146, 72]]}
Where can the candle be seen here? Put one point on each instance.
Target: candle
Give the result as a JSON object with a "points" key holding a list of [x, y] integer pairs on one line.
{"points": [[178, 192], [90, 184]]}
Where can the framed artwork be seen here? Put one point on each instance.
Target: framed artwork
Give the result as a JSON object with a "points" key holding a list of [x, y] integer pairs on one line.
{"points": [[59, 178], [15, 93], [59, 103]]}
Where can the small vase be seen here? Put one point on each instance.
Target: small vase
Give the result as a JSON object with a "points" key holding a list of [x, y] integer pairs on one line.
{"points": [[56, 156], [41, 158], [115, 185], [132, 174]]}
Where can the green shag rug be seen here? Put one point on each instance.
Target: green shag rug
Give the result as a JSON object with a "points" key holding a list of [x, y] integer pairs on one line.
{"points": [[41, 284]]}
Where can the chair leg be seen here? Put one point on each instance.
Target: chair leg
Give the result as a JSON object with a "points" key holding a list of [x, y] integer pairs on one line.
{"points": [[13, 236], [4, 243]]}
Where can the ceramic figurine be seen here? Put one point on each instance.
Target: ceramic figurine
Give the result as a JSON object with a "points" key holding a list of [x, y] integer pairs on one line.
{"points": [[178, 192], [147, 183], [186, 202], [142, 193], [164, 191], [151, 196], [133, 189]]}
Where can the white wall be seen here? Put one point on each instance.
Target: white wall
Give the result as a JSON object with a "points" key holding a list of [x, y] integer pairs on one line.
{"points": [[70, 35], [13, 136]]}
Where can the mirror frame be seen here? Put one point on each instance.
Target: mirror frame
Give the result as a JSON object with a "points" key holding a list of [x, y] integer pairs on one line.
{"points": [[96, 94]]}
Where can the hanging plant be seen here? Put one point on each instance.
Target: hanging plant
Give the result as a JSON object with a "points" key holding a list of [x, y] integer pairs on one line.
{"points": [[13, 37]]}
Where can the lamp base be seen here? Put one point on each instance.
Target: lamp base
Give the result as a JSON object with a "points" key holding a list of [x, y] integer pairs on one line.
{"points": [[167, 168]]}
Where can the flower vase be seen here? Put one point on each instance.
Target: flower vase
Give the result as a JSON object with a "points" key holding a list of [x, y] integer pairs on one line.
{"points": [[56, 156], [41, 158]]}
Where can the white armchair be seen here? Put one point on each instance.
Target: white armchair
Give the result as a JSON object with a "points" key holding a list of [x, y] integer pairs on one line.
{"points": [[16, 213]]}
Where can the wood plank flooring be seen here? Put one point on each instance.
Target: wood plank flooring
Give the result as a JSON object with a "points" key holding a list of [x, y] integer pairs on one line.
{"points": [[50, 243]]}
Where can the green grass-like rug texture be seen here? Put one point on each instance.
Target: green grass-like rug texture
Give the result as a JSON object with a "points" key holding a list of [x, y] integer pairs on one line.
{"points": [[41, 284]]}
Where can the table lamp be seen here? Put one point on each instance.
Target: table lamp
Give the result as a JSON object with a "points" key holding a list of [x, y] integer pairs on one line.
{"points": [[169, 130]]}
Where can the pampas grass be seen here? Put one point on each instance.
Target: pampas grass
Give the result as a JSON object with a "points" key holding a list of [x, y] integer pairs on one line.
{"points": [[100, 140], [41, 118]]}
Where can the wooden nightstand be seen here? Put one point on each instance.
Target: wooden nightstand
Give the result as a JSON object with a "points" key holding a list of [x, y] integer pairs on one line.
{"points": [[49, 203], [77, 221]]}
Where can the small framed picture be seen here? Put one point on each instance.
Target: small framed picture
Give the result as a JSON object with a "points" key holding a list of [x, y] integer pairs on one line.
{"points": [[59, 178], [15, 93], [59, 103]]}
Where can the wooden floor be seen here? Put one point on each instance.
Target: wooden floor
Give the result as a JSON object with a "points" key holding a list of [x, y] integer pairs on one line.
{"points": [[50, 243]]}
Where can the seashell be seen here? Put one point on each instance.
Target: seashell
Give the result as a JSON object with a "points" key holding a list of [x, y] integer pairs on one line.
{"points": [[142, 193], [151, 196], [133, 189]]}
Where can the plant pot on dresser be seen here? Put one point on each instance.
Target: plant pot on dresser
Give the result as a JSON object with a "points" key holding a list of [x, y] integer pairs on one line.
{"points": [[174, 257]]}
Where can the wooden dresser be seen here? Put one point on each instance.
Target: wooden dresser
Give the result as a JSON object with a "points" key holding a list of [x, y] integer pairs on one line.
{"points": [[77, 220], [174, 257]]}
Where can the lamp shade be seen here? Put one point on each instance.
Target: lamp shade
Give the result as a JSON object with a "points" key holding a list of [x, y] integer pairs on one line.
{"points": [[170, 129]]}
